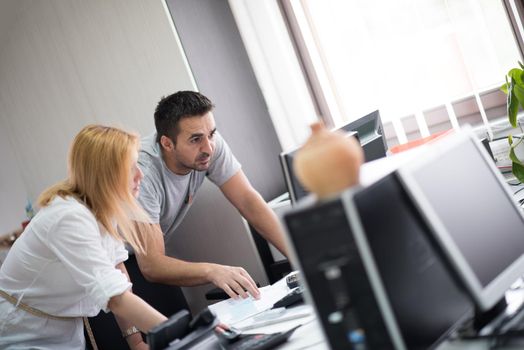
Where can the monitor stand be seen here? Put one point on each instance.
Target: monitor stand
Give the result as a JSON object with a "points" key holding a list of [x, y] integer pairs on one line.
{"points": [[483, 318], [486, 324]]}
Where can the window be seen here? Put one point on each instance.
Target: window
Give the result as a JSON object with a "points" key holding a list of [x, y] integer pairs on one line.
{"points": [[427, 65]]}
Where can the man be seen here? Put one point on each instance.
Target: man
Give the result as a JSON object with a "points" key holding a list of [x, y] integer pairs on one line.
{"points": [[175, 162]]}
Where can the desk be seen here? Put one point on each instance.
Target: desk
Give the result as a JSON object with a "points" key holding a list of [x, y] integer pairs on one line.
{"points": [[237, 313], [310, 334]]}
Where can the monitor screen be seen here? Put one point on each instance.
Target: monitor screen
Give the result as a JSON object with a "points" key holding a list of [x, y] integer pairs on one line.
{"points": [[425, 297], [472, 214], [369, 133]]}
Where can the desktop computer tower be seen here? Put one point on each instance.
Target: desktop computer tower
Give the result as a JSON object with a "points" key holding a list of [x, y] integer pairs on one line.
{"points": [[372, 273], [337, 280]]}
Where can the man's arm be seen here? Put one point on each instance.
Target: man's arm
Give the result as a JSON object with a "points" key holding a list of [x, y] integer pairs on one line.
{"points": [[254, 209], [157, 267]]}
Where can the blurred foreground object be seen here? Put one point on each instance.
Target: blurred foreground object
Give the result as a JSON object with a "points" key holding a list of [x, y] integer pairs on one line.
{"points": [[328, 162]]}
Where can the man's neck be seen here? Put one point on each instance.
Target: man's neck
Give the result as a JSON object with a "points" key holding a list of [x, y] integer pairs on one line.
{"points": [[172, 164]]}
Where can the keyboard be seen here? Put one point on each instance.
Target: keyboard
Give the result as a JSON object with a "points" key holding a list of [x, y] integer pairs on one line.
{"points": [[261, 341]]}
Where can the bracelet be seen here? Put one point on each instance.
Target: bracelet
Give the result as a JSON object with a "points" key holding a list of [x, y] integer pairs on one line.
{"points": [[130, 331]]}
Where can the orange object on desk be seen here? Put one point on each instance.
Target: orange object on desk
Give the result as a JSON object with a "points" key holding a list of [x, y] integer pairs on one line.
{"points": [[418, 142]]}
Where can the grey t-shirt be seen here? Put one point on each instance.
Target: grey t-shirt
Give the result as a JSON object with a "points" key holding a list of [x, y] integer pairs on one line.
{"points": [[166, 196]]}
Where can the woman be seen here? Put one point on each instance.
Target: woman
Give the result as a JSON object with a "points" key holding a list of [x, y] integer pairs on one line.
{"points": [[68, 263]]}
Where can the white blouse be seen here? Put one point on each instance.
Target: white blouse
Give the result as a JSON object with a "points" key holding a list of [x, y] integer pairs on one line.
{"points": [[63, 264]]}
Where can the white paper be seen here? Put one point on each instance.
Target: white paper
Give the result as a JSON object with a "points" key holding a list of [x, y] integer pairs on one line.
{"points": [[231, 311], [289, 314]]}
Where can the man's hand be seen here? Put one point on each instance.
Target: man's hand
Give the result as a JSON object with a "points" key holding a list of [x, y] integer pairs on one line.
{"points": [[233, 280]]}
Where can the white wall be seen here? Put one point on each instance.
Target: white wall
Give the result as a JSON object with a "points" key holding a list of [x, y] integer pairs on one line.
{"points": [[12, 190], [65, 64]]}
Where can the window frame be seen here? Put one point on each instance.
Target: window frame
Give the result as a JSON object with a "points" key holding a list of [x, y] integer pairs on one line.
{"points": [[410, 127]]}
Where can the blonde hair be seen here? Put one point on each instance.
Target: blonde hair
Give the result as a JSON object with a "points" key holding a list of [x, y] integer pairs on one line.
{"points": [[99, 169]]}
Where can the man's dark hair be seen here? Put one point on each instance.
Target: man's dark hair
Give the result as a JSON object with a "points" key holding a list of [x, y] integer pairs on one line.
{"points": [[172, 108]]}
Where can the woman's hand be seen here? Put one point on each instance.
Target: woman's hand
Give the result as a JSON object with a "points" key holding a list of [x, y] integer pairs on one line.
{"points": [[139, 346], [136, 342]]}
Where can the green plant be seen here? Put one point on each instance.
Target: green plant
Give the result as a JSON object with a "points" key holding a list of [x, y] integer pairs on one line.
{"points": [[514, 89]]}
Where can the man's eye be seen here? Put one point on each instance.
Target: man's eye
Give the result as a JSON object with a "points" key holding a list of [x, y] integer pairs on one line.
{"points": [[195, 140]]}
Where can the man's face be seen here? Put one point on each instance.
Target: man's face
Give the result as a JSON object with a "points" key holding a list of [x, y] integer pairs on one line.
{"points": [[194, 145]]}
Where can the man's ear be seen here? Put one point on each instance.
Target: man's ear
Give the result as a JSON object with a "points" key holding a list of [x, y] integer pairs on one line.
{"points": [[166, 143]]}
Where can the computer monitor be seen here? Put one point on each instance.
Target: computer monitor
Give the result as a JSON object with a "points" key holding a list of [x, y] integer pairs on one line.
{"points": [[371, 135], [368, 131], [426, 298], [296, 190], [369, 264], [472, 215]]}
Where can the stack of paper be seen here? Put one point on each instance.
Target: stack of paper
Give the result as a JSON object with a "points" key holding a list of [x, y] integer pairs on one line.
{"points": [[231, 311]]}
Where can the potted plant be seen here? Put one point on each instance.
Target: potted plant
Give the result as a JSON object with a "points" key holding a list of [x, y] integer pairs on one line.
{"points": [[514, 89]]}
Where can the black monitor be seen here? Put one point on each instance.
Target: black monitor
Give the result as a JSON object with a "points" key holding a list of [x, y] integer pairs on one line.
{"points": [[369, 133], [426, 296], [472, 214], [294, 187], [369, 264]]}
